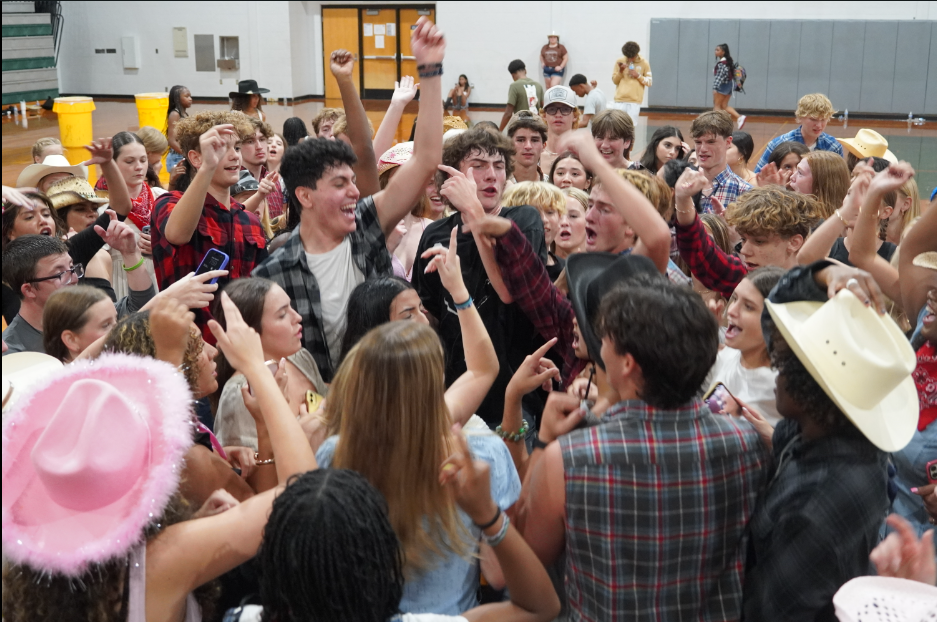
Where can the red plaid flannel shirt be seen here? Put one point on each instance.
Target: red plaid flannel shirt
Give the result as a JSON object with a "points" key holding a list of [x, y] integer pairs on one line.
{"points": [[234, 231], [714, 268], [545, 306]]}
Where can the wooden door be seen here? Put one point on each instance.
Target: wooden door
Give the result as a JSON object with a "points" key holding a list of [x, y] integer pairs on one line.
{"points": [[408, 19], [379, 45], [339, 31]]}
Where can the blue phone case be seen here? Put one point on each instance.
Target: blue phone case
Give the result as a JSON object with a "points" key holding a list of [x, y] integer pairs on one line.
{"points": [[224, 263]]}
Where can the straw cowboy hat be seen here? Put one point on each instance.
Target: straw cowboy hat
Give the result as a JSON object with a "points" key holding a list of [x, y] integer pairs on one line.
{"points": [[868, 144], [91, 456], [33, 174], [72, 190], [395, 156], [926, 260], [861, 359], [248, 87]]}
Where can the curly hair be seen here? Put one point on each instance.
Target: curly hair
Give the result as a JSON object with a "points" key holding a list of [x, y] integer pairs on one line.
{"points": [[330, 552], [131, 335], [326, 114], [631, 49], [98, 594], [476, 140], [815, 105], [800, 386], [772, 209], [341, 126], [190, 129]]}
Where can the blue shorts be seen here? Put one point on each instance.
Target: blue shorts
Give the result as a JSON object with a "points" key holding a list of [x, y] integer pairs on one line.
{"points": [[725, 88], [549, 72]]}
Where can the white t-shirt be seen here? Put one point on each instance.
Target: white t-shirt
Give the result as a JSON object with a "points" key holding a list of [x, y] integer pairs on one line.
{"points": [[595, 103], [753, 386], [337, 275]]}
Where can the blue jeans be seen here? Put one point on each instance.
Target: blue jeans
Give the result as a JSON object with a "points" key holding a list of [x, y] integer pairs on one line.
{"points": [[172, 158]]}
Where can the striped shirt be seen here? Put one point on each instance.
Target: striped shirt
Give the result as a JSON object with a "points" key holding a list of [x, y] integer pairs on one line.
{"points": [[656, 507]]}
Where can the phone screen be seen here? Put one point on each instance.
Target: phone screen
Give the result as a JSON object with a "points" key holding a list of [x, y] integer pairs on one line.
{"points": [[720, 400]]}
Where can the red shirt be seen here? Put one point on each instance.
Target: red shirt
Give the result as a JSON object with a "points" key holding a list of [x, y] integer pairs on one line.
{"points": [[233, 231]]}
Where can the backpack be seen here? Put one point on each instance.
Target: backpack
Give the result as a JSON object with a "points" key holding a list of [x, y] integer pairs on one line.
{"points": [[738, 77]]}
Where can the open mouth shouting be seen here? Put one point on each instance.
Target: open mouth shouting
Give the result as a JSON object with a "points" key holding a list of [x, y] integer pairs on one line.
{"points": [[591, 236], [732, 331]]}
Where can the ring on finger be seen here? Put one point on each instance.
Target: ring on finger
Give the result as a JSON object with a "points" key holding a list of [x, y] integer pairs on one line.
{"points": [[851, 282]]}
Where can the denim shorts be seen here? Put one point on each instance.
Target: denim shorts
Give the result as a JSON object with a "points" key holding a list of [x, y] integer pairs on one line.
{"points": [[725, 88], [549, 72]]}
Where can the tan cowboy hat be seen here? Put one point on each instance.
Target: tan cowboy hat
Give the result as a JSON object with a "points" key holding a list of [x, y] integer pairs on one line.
{"points": [[861, 359], [868, 144], [33, 174], [72, 190]]}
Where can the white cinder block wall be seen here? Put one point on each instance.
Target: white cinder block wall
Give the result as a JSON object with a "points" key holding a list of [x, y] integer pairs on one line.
{"points": [[281, 42]]}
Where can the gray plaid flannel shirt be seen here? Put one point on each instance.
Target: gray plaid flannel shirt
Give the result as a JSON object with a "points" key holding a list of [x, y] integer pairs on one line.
{"points": [[288, 268]]}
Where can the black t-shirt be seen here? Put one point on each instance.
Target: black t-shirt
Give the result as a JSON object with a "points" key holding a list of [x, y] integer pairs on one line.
{"points": [[512, 334], [557, 268], [839, 252]]}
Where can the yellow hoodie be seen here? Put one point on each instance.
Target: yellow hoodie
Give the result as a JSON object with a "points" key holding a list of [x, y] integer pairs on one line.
{"points": [[630, 89]]}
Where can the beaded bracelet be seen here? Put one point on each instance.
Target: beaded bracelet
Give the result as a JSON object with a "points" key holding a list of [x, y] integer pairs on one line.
{"points": [[462, 306], [260, 462], [512, 436], [134, 266], [498, 538]]}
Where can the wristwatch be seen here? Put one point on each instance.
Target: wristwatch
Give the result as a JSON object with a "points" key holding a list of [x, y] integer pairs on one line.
{"points": [[538, 444]]}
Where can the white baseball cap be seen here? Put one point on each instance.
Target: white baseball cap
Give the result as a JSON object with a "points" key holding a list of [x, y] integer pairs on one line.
{"points": [[559, 95]]}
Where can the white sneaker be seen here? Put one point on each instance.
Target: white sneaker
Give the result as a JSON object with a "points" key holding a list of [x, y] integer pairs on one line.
{"points": [[741, 121]]}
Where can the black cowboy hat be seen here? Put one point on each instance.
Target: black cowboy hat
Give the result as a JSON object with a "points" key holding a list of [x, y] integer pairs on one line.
{"points": [[248, 87], [592, 275]]}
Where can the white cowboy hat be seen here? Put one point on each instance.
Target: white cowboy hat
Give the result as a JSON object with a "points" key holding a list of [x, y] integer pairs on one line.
{"points": [[33, 174], [861, 359], [23, 369], [882, 599]]}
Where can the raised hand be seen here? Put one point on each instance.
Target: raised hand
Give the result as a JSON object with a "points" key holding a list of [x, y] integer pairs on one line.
{"points": [[690, 183], [342, 63], [269, 183], [214, 144], [446, 261], [535, 371], [118, 236], [892, 178], [718, 208], [171, 324], [770, 176], [101, 152], [195, 292], [427, 42], [859, 282], [240, 343], [561, 415], [582, 144], [404, 91], [462, 192], [17, 196]]}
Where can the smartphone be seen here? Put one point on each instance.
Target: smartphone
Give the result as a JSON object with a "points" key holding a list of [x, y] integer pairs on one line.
{"points": [[146, 229], [313, 400], [719, 399], [273, 365], [214, 259], [932, 471]]}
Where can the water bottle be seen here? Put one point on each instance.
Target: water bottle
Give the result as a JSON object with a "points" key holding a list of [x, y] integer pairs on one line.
{"points": [[631, 66], [846, 115]]}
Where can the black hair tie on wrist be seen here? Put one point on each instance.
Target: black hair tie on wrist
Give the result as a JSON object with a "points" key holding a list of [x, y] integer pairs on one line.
{"points": [[491, 522]]}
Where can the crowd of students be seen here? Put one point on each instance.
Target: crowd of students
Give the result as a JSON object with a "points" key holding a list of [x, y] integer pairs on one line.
{"points": [[479, 375]]}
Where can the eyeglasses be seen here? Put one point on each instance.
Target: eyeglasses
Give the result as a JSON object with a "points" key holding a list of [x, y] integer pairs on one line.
{"points": [[78, 270], [554, 110]]}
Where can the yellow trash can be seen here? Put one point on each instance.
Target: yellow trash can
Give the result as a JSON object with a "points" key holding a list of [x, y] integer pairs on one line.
{"points": [[152, 109], [75, 128]]}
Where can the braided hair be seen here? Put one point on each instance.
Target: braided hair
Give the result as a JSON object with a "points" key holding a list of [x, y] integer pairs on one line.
{"points": [[329, 552]]}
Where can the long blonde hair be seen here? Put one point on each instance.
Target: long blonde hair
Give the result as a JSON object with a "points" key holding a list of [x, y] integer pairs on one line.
{"points": [[387, 401], [910, 191]]}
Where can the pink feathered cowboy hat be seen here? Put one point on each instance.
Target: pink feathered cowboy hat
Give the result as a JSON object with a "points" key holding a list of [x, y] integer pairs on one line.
{"points": [[90, 458]]}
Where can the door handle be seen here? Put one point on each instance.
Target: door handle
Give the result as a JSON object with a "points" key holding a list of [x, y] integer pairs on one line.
{"points": [[380, 58]]}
